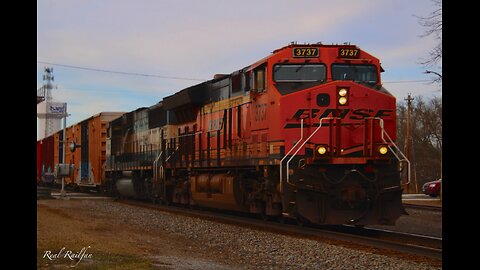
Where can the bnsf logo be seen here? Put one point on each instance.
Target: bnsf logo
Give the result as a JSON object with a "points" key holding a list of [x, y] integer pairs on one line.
{"points": [[358, 114], [56, 109]]}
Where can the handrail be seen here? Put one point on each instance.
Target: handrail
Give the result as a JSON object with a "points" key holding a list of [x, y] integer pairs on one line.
{"points": [[291, 149], [155, 162], [41, 92], [304, 142], [162, 170], [155, 166], [172, 154], [383, 135], [396, 147]]}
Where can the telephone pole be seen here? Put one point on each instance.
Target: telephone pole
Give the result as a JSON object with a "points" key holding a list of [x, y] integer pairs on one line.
{"points": [[407, 136]]}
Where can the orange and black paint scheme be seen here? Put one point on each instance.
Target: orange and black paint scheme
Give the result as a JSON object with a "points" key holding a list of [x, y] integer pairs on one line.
{"points": [[305, 133]]}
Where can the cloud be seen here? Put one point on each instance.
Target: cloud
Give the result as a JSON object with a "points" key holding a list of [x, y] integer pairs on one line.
{"points": [[197, 39], [194, 37], [406, 53], [401, 90]]}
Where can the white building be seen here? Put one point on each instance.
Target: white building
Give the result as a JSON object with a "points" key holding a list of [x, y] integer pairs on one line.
{"points": [[50, 114]]}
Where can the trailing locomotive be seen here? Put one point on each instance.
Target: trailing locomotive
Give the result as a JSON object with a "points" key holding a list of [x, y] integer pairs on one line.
{"points": [[307, 132]]}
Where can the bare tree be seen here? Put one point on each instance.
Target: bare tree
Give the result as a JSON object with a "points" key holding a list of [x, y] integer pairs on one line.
{"points": [[433, 24], [426, 136]]}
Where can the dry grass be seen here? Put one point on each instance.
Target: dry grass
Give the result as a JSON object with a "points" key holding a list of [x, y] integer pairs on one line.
{"points": [[112, 246]]}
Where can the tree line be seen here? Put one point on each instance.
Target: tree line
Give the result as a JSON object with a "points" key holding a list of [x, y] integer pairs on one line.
{"points": [[425, 138]]}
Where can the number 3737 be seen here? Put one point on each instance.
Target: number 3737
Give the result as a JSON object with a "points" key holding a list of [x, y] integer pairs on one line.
{"points": [[305, 52], [348, 52]]}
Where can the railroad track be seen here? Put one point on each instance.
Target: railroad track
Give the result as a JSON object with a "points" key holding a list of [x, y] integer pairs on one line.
{"points": [[418, 245]]}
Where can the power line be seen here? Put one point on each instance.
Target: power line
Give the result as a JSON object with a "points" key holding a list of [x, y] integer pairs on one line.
{"points": [[408, 81], [169, 77], [121, 72]]}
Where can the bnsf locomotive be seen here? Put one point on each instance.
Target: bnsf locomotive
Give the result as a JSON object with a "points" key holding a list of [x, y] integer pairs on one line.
{"points": [[307, 132]]}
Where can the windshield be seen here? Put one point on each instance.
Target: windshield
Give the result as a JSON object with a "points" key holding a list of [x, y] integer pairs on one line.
{"points": [[299, 73], [357, 73]]}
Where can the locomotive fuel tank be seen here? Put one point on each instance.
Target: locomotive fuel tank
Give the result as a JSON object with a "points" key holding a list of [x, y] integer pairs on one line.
{"points": [[124, 185], [217, 191]]}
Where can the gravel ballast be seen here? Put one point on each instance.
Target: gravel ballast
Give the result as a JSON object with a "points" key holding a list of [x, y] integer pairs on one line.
{"points": [[195, 243]]}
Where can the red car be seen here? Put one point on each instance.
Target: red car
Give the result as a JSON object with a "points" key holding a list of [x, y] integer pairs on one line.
{"points": [[432, 188]]}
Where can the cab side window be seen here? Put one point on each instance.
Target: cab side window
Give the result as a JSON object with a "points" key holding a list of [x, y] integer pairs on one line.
{"points": [[260, 79], [236, 83], [246, 82]]}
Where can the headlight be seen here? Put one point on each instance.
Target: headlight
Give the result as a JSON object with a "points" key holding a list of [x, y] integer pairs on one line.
{"points": [[342, 92], [342, 96], [321, 150], [383, 150]]}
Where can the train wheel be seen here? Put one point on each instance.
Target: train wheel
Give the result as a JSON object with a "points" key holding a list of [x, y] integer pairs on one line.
{"points": [[301, 221], [263, 216], [101, 190]]}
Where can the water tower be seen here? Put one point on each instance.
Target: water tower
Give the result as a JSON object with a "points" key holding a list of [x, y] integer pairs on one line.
{"points": [[49, 112]]}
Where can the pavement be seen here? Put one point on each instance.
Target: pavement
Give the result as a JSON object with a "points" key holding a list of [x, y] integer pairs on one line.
{"points": [[421, 199]]}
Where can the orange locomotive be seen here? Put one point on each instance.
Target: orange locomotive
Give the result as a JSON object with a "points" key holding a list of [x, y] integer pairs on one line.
{"points": [[307, 132]]}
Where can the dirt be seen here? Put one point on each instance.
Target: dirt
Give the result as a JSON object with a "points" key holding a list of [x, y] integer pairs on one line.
{"points": [[68, 235], [95, 237]]}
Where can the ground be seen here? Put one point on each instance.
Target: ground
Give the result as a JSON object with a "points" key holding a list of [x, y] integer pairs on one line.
{"points": [[103, 234], [112, 244]]}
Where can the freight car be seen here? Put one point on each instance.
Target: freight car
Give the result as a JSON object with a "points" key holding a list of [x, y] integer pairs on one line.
{"points": [[85, 150], [307, 132], [45, 160]]}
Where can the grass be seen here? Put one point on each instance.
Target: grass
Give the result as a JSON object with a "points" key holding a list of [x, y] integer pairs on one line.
{"points": [[109, 249]]}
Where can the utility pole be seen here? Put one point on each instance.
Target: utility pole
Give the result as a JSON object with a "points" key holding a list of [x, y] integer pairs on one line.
{"points": [[64, 143], [407, 136]]}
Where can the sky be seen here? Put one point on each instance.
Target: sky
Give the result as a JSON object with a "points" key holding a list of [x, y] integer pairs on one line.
{"points": [[173, 44]]}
